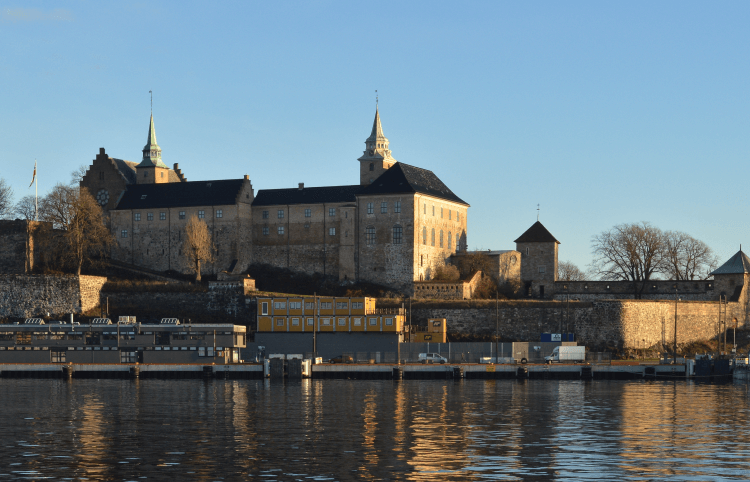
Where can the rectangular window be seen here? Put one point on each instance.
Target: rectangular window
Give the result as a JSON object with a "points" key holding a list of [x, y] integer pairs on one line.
{"points": [[342, 305], [542, 269], [331, 212], [280, 214], [137, 216], [370, 208], [383, 208], [441, 213], [150, 216], [264, 308], [295, 321], [356, 305], [450, 214], [201, 214], [433, 209], [219, 213], [398, 234], [326, 321], [128, 357], [397, 207], [279, 305], [389, 322], [295, 305], [325, 305], [182, 214], [370, 235], [124, 233], [265, 230], [373, 321], [162, 216], [265, 215], [309, 305], [280, 322], [342, 321], [331, 231], [280, 229], [425, 208], [310, 322], [357, 321], [308, 213], [58, 356]]}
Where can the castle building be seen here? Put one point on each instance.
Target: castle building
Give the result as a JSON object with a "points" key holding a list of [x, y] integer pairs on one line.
{"points": [[393, 228], [538, 250]]}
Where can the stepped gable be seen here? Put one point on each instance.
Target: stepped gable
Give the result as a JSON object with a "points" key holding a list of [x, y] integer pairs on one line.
{"points": [[737, 264], [403, 178], [307, 195], [179, 194], [537, 233], [127, 169]]}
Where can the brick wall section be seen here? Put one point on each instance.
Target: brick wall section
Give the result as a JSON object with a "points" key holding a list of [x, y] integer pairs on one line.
{"points": [[25, 296]]}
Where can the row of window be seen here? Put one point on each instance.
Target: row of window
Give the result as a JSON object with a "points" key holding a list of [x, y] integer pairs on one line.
{"points": [[310, 305], [384, 207], [450, 213], [432, 238], [280, 230], [327, 321], [308, 213], [163, 215]]}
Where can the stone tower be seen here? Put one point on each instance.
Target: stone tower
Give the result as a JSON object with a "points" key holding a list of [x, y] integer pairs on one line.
{"points": [[538, 250], [151, 169], [377, 156]]}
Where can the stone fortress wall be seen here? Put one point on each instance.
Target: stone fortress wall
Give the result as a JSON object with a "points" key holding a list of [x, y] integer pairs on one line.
{"points": [[26, 296]]}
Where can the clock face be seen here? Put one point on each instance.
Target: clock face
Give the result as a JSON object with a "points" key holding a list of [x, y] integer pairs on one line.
{"points": [[102, 197]]}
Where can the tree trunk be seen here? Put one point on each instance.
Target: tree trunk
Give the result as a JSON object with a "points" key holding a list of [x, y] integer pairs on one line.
{"points": [[198, 270]]}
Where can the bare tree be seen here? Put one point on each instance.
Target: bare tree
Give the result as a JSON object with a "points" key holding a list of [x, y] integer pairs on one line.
{"points": [[630, 252], [76, 176], [567, 271], [687, 258], [25, 208], [58, 207], [198, 245], [447, 272], [86, 237], [6, 199]]}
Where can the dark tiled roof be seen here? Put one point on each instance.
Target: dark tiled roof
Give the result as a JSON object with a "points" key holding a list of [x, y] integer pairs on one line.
{"points": [[537, 233], [402, 178], [177, 194], [307, 195], [737, 264]]}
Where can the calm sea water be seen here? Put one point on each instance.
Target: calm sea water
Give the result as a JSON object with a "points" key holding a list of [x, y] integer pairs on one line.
{"points": [[373, 430]]}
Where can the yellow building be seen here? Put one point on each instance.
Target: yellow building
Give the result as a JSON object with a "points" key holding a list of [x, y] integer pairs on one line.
{"points": [[436, 332], [327, 314]]}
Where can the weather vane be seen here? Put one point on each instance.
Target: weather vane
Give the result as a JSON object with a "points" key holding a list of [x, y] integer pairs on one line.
{"points": [[376, 98], [152, 101], [537, 212]]}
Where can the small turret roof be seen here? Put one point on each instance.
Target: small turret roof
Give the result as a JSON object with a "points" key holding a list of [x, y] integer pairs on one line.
{"points": [[537, 233], [377, 129], [737, 264], [151, 144]]}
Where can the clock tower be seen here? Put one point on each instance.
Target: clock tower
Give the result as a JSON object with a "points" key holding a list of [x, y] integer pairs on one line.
{"points": [[377, 156]]}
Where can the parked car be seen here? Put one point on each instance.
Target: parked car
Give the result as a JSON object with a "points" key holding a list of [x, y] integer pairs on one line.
{"points": [[432, 358], [341, 359]]}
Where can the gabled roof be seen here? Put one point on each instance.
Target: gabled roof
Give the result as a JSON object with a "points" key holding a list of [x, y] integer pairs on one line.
{"points": [[178, 194], [403, 178], [307, 195], [127, 169], [537, 233], [737, 264]]}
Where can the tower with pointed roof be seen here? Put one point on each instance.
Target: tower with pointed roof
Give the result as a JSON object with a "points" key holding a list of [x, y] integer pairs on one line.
{"points": [[538, 250], [377, 156], [152, 170], [731, 277]]}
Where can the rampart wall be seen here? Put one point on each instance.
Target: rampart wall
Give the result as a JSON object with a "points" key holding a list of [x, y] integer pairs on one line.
{"points": [[26, 296]]}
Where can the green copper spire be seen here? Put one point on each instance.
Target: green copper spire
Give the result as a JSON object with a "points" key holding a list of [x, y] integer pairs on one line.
{"points": [[152, 151]]}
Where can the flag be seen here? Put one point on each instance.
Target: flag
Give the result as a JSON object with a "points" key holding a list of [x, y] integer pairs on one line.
{"points": [[33, 178]]}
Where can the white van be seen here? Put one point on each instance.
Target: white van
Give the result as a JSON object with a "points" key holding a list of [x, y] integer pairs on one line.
{"points": [[432, 358]]}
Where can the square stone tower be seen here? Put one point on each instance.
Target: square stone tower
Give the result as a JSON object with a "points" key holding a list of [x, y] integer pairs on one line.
{"points": [[538, 250]]}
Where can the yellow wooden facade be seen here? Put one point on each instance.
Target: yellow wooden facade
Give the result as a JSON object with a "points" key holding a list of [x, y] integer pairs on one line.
{"points": [[437, 332], [330, 314]]}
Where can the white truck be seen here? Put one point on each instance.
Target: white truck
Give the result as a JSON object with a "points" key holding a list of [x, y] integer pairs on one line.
{"points": [[569, 354]]}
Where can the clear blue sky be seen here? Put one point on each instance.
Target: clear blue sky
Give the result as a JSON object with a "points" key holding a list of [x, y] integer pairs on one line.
{"points": [[601, 112]]}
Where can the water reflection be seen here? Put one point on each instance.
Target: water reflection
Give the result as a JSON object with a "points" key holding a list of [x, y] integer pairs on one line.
{"points": [[373, 430]]}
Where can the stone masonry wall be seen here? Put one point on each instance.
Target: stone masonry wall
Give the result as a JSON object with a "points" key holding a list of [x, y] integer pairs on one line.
{"points": [[25, 296]]}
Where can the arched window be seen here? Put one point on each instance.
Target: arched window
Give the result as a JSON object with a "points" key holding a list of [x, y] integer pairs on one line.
{"points": [[372, 166], [398, 234], [441, 238], [432, 238], [449, 239], [370, 235], [424, 235]]}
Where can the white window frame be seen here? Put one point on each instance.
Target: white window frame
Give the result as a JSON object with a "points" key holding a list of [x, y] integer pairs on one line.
{"points": [[201, 214], [280, 230], [280, 214], [397, 207], [219, 213]]}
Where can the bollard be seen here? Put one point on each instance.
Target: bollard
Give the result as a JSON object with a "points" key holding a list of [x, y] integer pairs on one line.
{"points": [[522, 372], [458, 372], [398, 373], [67, 372]]}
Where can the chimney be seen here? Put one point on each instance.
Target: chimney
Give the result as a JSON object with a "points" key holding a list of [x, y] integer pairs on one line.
{"points": [[101, 150], [301, 186], [247, 178]]}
